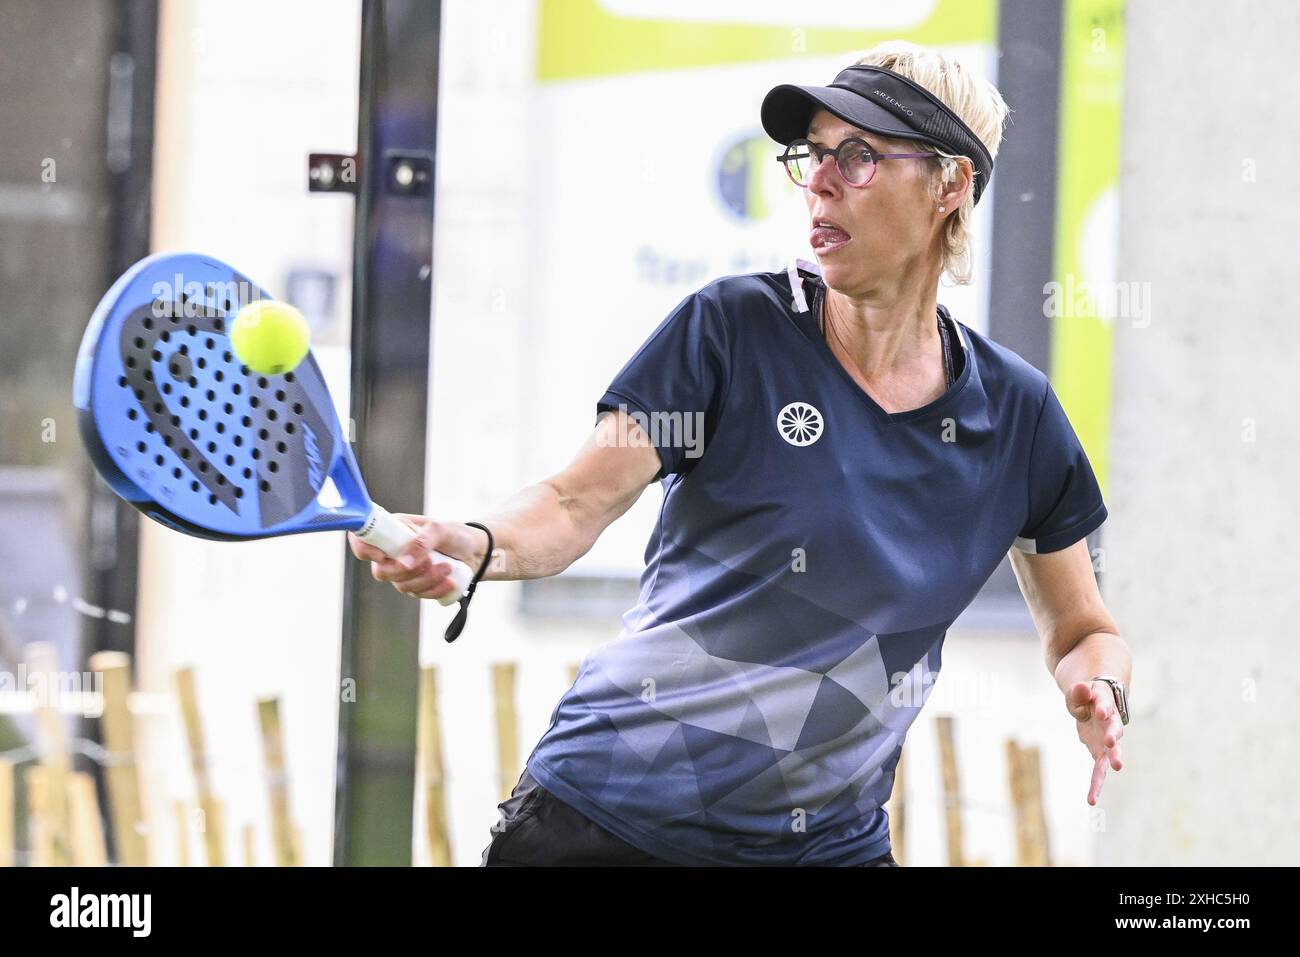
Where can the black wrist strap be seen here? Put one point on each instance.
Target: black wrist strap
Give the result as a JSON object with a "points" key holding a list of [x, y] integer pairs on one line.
{"points": [[458, 623]]}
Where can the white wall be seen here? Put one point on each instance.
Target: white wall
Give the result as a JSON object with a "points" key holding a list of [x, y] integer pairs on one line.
{"points": [[1204, 458]]}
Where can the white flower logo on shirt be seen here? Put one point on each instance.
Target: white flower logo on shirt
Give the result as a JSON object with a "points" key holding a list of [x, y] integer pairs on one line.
{"points": [[799, 424]]}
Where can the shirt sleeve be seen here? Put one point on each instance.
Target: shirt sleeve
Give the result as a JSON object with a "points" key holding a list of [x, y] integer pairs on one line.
{"points": [[1065, 502], [674, 385]]}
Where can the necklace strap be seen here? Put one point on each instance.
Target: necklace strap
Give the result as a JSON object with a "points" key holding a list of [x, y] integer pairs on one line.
{"points": [[947, 352]]}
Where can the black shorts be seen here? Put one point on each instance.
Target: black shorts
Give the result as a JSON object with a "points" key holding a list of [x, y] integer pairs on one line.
{"points": [[537, 829]]}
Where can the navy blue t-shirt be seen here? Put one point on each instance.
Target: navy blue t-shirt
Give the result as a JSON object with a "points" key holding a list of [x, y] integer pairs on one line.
{"points": [[810, 554]]}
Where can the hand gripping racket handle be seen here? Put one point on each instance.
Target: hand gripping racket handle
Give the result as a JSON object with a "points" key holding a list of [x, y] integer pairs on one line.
{"points": [[390, 535]]}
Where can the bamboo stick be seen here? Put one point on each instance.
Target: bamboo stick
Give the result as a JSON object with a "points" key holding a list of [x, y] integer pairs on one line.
{"points": [[8, 813], [1027, 806], [898, 813], [52, 738], [951, 790], [123, 774], [182, 833], [503, 692], [432, 774], [1039, 836], [36, 781], [88, 848], [268, 716], [208, 804]]}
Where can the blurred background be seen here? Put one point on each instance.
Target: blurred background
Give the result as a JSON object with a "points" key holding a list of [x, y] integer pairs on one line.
{"points": [[483, 208]]}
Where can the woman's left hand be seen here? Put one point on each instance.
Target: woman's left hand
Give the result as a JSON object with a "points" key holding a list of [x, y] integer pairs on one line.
{"points": [[1093, 706]]}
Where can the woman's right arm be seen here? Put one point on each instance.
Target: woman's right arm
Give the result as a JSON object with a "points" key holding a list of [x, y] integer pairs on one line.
{"points": [[543, 529]]}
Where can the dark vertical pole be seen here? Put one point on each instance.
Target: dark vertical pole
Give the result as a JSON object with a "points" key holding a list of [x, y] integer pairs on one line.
{"points": [[112, 528], [1024, 208], [1024, 219], [391, 309]]}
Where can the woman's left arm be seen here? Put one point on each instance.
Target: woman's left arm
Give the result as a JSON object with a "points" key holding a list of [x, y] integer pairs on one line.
{"points": [[1080, 641]]}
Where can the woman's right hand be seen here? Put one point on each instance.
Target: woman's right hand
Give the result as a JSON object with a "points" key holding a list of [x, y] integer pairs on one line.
{"points": [[539, 532], [414, 572]]}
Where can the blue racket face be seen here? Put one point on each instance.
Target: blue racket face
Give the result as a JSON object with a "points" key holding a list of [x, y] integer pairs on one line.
{"points": [[194, 439]]}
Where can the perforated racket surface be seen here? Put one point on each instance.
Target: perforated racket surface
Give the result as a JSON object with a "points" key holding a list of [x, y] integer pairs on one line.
{"points": [[180, 428]]}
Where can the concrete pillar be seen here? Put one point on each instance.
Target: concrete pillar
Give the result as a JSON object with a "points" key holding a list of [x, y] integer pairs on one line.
{"points": [[1205, 456]]}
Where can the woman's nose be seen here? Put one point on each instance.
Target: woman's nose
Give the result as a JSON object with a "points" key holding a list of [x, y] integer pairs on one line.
{"points": [[822, 174]]}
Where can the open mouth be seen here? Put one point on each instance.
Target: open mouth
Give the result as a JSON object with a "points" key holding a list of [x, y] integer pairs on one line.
{"points": [[827, 236]]}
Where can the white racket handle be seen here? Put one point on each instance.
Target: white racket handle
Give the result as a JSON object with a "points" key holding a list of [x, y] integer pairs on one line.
{"points": [[390, 535]]}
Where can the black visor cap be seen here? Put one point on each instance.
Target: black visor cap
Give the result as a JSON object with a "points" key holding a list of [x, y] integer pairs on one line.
{"points": [[879, 101]]}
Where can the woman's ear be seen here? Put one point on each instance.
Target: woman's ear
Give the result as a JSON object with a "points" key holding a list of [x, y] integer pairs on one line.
{"points": [[957, 180]]}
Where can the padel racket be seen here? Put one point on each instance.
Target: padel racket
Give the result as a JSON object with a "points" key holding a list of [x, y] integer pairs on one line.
{"points": [[195, 440]]}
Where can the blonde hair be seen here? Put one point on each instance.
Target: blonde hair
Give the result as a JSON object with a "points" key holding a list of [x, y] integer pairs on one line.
{"points": [[980, 106]]}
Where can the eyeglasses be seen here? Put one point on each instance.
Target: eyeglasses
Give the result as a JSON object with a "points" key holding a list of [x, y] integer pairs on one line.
{"points": [[854, 158]]}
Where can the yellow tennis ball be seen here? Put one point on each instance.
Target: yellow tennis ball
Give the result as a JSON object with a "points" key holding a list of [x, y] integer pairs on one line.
{"points": [[270, 337]]}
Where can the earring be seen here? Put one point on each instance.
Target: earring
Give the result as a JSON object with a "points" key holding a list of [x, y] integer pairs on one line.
{"points": [[941, 209]]}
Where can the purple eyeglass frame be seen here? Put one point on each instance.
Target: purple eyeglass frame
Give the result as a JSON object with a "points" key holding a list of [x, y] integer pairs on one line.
{"points": [[820, 153]]}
